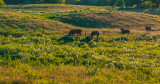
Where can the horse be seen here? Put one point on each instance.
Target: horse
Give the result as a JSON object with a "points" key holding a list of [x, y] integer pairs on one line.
{"points": [[94, 33], [125, 31], [148, 28], [88, 38], [75, 31]]}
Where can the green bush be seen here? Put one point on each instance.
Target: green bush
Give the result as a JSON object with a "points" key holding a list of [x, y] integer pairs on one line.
{"points": [[120, 3], [2, 2], [148, 4]]}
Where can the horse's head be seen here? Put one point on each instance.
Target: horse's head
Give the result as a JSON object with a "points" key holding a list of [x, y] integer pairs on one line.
{"points": [[88, 38], [122, 29]]}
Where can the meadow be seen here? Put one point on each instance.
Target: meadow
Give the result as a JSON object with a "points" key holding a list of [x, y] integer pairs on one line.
{"points": [[35, 48]]}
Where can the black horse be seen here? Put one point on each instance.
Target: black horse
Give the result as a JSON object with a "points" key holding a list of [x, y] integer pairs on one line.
{"points": [[148, 29], [125, 31], [75, 31], [94, 33], [88, 38]]}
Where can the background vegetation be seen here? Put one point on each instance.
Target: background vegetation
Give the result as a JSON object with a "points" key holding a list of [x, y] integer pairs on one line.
{"points": [[122, 3], [35, 48]]}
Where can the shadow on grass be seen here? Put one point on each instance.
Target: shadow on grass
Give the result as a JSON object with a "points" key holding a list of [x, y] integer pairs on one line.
{"points": [[69, 39], [131, 9], [119, 39], [155, 30], [86, 21], [65, 39], [17, 35], [154, 11]]}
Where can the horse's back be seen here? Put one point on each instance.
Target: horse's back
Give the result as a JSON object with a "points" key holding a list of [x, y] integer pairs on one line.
{"points": [[75, 31], [95, 33], [125, 31]]}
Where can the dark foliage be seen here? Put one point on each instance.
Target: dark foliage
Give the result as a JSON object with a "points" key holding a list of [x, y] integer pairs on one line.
{"points": [[85, 2]]}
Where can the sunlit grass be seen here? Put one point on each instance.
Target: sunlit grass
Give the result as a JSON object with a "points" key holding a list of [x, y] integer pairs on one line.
{"points": [[35, 46]]}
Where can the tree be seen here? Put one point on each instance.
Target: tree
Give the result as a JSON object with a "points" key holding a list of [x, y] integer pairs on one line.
{"points": [[14, 1], [132, 2], [56, 1], [110, 2], [2, 2], [156, 2], [61, 1], [42, 1], [101, 2], [120, 3]]}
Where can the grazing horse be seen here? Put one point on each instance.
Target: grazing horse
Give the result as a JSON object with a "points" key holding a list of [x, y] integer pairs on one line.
{"points": [[125, 31], [88, 38], [148, 29], [75, 31], [94, 33]]}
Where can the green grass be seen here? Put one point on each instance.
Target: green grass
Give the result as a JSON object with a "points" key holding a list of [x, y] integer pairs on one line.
{"points": [[35, 48]]}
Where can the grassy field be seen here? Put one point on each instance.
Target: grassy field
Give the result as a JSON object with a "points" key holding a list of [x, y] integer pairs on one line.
{"points": [[35, 48]]}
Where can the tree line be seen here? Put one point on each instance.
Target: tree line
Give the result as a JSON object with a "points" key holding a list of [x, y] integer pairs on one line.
{"points": [[121, 3]]}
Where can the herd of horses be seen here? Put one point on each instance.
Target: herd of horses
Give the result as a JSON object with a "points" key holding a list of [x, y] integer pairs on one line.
{"points": [[79, 33], [96, 33]]}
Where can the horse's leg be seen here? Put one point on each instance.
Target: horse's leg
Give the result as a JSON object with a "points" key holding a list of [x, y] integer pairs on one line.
{"points": [[97, 37], [129, 34]]}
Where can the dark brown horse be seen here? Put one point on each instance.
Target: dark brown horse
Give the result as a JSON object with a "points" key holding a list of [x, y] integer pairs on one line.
{"points": [[125, 31], [94, 33], [88, 38], [148, 29], [75, 31]]}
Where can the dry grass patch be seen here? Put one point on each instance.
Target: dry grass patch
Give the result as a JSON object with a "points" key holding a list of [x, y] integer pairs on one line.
{"points": [[115, 19]]}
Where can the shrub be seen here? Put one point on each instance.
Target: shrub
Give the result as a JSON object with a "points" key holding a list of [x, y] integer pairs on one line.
{"points": [[56, 1], [2, 2], [147, 4], [120, 3]]}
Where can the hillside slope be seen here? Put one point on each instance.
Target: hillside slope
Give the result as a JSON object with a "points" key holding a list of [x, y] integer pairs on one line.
{"points": [[114, 19], [76, 16], [35, 46]]}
